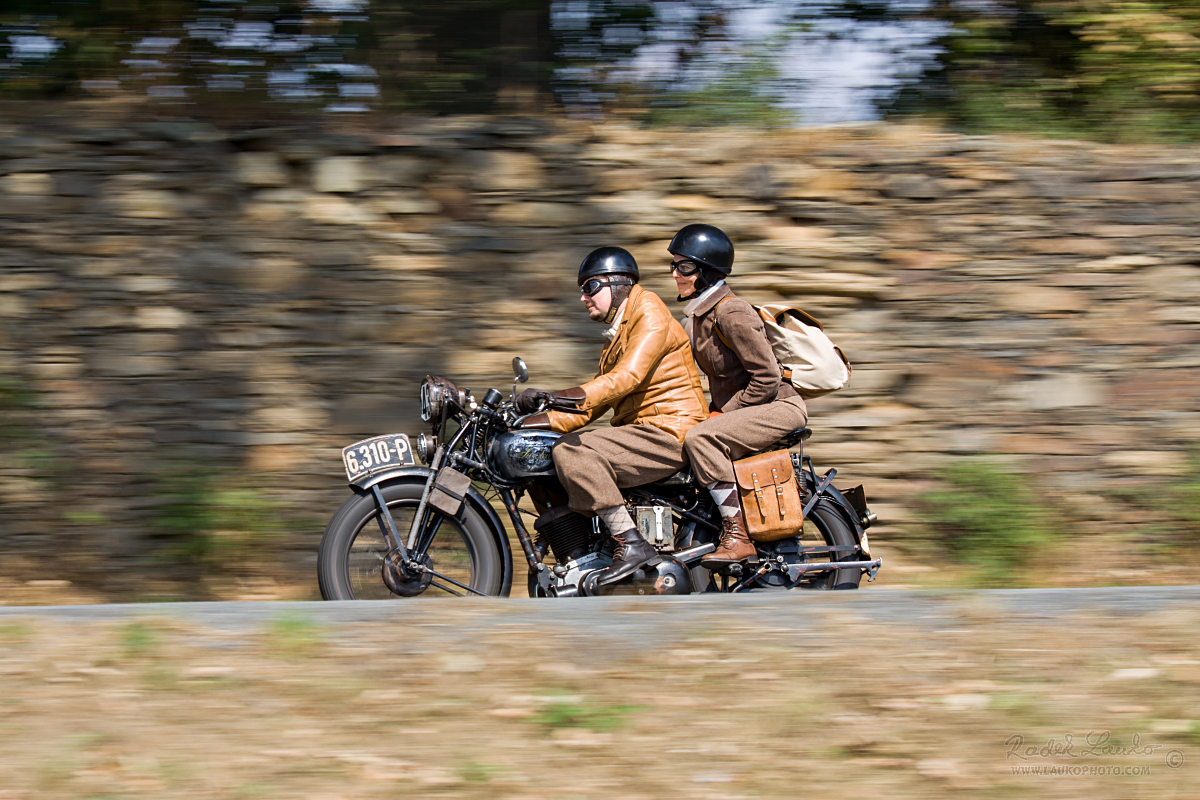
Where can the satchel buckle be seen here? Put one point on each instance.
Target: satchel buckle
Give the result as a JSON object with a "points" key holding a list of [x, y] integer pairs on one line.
{"points": [[778, 492]]}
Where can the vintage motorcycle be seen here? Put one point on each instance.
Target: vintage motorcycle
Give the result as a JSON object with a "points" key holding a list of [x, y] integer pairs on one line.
{"points": [[410, 530]]}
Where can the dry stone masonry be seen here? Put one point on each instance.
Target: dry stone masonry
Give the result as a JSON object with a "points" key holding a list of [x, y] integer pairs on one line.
{"points": [[255, 299]]}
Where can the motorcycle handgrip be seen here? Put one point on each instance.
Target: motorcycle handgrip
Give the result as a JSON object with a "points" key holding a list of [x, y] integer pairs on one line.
{"points": [[567, 407], [561, 404]]}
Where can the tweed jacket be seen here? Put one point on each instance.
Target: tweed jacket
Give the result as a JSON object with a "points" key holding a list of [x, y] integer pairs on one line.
{"points": [[745, 374]]}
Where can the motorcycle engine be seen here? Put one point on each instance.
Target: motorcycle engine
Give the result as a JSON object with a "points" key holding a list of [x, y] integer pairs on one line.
{"points": [[668, 576], [566, 532]]}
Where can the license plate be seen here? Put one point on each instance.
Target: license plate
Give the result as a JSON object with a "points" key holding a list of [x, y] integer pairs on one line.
{"points": [[375, 454]]}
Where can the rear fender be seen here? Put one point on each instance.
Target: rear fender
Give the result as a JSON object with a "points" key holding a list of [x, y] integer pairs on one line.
{"points": [[847, 512], [415, 474]]}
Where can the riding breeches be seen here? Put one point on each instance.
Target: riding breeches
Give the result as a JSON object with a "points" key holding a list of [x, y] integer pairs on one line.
{"points": [[713, 445], [595, 465]]}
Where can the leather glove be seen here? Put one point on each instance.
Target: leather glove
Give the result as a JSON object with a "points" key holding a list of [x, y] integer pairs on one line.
{"points": [[530, 400]]}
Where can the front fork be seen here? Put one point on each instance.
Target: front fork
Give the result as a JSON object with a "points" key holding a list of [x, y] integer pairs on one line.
{"points": [[514, 513], [412, 557]]}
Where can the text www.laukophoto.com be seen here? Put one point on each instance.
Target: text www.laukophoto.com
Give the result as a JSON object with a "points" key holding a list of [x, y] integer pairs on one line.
{"points": [[1079, 769]]}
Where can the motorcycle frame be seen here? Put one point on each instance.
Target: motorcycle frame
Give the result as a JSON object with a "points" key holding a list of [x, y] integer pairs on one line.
{"points": [[475, 459]]}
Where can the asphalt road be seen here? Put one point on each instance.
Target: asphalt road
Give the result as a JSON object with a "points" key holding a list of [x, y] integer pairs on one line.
{"points": [[646, 621]]}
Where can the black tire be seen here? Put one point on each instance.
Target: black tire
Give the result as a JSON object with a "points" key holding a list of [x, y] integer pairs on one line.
{"points": [[834, 529], [825, 522], [350, 560]]}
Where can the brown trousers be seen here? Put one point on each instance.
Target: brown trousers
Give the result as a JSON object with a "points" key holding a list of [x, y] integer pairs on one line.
{"points": [[595, 465], [713, 445]]}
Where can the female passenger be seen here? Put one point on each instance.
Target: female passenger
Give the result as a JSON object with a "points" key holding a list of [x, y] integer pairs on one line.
{"points": [[752, 407]]}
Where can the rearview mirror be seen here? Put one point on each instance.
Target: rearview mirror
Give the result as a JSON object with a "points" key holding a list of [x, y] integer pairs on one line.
{"points": [[520, 371]]}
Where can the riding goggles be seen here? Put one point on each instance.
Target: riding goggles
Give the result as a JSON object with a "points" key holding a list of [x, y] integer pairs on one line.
{"points": [[686, 267], [592, 285]]}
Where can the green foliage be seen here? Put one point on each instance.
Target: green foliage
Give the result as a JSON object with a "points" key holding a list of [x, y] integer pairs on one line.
{"points": [[453, 55], [567, 711], [1187, 494], [137, 639], [293, 636], [987, 517], [15, 632], [15, 398], [213, 517], [476, 772], [741, 95], [1100, 69]]}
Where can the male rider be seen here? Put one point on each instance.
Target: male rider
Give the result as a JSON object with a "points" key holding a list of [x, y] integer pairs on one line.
{"points": [[649, 380]]}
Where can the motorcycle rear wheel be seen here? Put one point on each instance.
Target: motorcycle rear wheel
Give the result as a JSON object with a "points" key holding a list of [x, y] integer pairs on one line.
{"points": [[351, 557], [828, 525]]}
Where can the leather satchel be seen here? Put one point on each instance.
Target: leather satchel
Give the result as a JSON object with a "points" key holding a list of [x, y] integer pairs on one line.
{"points": [[769, 495]]}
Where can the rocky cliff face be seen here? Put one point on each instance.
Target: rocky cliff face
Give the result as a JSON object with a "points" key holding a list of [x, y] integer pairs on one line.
{"points": [[255, 300]]}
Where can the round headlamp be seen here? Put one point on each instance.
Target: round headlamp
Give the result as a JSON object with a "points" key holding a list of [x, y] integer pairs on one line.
{"points": [[435, 394], [433, 399]]}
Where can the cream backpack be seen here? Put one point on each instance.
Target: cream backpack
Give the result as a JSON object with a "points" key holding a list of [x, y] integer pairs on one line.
{"points": [[811, 362]]}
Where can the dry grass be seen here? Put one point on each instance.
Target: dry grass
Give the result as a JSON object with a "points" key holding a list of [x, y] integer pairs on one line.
{"points": [[159, 708]]}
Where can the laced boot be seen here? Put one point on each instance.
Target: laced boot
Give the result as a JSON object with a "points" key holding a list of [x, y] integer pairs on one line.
{"points": [[735, 545], [632, 552]]}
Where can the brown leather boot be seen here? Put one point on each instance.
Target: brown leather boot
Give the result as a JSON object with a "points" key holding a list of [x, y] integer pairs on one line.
{"points": [[734, 546], [632, 552]]}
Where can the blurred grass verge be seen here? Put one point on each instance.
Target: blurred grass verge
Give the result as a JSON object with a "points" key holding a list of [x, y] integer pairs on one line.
{"points": [[573, 711], [293, 637], [213, 520], [989, 519]]}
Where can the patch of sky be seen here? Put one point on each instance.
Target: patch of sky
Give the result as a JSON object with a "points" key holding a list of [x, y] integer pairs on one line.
{"points": [[167, 92], [337, 6], [32, 47], [827, 66], [358, 90], [155, 44], [249, 35], [225, 84]]}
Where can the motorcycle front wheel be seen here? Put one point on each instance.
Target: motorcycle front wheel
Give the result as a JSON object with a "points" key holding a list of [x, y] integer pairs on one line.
{"points": [[350, 562]]}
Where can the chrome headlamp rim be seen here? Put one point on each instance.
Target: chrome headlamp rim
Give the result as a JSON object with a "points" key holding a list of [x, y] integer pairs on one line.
{"points": [[436, 393], [432, 400]]}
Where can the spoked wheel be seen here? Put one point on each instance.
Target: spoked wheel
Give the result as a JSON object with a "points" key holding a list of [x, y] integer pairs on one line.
{"points": [[824, 526], [354, 563]]}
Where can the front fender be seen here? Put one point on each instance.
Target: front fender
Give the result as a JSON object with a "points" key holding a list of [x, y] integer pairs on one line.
{"points": [[422, 474]]}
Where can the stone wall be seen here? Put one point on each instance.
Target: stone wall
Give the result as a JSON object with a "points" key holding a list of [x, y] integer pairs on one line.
{"points": [[253, 300]]}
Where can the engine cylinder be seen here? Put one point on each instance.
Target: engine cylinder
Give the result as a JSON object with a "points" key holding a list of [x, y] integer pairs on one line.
{"points": [[565, 531]]}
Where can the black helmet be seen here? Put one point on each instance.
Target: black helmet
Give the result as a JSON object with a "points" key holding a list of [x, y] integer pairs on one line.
{"points": [[705, 244], [608, 261]]}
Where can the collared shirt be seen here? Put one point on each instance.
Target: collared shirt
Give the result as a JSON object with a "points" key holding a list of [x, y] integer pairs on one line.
{"points": [[691, 307], [611, 333]]}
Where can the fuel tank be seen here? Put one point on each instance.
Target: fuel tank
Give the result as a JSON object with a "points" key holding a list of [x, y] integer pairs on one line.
{"points": [[523, 454]]}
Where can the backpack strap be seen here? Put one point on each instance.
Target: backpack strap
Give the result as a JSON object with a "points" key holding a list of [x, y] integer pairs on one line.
{"points": [[717, 327], [766, 316]]}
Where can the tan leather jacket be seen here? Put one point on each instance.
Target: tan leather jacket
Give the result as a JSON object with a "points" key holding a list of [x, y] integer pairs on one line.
{"points": [[647, 375]]}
